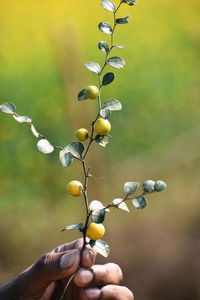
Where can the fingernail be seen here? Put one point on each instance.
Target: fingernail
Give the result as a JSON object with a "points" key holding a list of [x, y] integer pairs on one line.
{"points": [[68, 259], [92, 293], [85, 276]]}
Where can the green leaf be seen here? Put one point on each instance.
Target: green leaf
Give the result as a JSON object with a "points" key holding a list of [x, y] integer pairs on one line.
{"points": [[159, 186], [66, 158], [98, 216], [105, 27], [7, 108], [102, 140], [129, 2], [96, 205], [108, 78], [122, 20], [101, 247], [130, 187], [139, 202], [116, 62], [92, 243], [112, 105], [105, 113], [93, 67], [108, 5], [34, 131], [103, 46], [77, 225], [122, 205], [132, 2], [44, 146], [148, 186], [119, 46], [75, 148], [81, 95], [22, 119]]}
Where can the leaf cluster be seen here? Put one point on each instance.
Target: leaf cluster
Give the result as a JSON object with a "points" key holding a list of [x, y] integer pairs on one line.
{"points": [[97, 211]]}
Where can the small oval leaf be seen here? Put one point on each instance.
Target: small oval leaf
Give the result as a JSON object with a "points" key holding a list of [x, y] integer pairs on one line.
{"points": [[159, 186], [22, 119], [105, 113], [96, 205], [105, 27], [101, 247], [130, 187], [120, 204], [44, 146], [148, 186], [108, 78], [93, 67], [34, 131], [108, 5], [77, 225], [119, 46], [122, 20], [98, 216], [7, 108], [129, 2], [66, 158], [81, 95], [102, 140], [112, 104], [75, 148], [103, 46], [116, 62], [139, 202]]}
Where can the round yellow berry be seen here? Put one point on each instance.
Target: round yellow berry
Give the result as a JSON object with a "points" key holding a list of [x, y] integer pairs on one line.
{"points": [[82, 134], [75, 188], [92, 92], [95, 231], [102, 126]]}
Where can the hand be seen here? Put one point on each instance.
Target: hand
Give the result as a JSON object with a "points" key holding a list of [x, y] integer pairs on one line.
{"points": [[46, 279]]}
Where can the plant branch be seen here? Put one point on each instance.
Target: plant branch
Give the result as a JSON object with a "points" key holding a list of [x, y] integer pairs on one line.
{"points": [[86, 172]]}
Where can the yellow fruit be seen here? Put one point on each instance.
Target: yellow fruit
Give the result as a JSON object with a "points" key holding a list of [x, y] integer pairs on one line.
{"points": [[75, 188], [102, 126], [95, 231], [92, 92], [82, 134]]}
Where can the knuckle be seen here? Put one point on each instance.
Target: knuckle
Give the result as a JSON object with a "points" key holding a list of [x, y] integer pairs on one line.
{"points": [[43, 262]]}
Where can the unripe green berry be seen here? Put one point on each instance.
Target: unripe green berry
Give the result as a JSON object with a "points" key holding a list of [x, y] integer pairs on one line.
{"points": [[159, 186], [148, 186], [92, 92], [102, 126], [82, 134]]}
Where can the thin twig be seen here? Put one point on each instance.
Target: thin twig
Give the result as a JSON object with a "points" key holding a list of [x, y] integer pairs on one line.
{"points": [[68, 283]]}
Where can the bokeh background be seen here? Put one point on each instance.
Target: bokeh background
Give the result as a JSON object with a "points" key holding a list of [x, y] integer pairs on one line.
{"points": [[44, 45]]}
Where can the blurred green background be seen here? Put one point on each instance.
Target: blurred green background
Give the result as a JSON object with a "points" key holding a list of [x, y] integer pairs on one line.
{"points": [[44, 45]]}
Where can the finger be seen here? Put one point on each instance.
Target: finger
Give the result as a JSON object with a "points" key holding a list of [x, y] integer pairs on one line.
{"points": [[48, 292], [49, 268], [77, 244], [99, 275], [88, 257], [108, 292]]}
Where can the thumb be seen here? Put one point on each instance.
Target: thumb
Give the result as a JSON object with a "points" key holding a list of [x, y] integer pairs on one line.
{"points": [[50, 267]]}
